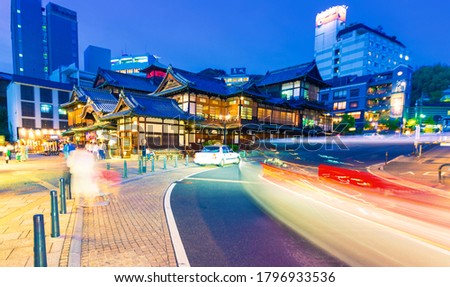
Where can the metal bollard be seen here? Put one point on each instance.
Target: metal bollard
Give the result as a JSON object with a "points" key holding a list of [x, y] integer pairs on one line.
{"points": [[125, 170], [176, 161], [108, 166], [187, 160], [385, 162], [144, 166], [54, 214], [139, 166], [40, 252], [69, 188], [153, 164], [62, 194], [165, 163]]}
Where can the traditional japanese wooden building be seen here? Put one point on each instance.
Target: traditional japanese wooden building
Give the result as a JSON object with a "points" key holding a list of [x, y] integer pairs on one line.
{"points": [[85, 108], [245, 113], [145, 121], [186, 109], [298, 87]]}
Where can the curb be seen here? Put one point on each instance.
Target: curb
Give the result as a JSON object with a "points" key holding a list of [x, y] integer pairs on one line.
{"points": [[177, 243]]}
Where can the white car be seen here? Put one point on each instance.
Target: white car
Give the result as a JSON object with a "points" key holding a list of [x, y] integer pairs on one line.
{"points": [[216, 154]]}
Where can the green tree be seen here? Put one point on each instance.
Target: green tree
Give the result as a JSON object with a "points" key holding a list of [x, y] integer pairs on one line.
{"points": [[346, 123], [430, 81]]}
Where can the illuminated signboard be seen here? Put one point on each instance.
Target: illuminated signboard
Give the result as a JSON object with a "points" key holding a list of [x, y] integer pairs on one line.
{"points": [[331, 14], [397, 102]]}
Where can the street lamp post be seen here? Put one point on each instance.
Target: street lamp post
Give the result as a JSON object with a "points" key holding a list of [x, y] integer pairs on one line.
{"points": [[331, 117], [224, 121], [241, 102]]}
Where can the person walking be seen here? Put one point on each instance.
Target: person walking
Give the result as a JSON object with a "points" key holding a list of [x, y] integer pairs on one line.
{"points": [[102, 150], [7, 153]]}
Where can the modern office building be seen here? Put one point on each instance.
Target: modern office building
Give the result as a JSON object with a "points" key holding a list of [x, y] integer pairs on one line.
{"points": [[27, 30], [62, 31], [132, 64], [96, 57], [341, 49], [34, 115], [372, 100], [42, 38]]}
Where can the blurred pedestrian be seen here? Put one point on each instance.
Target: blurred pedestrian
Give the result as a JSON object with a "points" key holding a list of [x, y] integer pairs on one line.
{"points": [[102, 151], [7, 153], [66, 150], [95, 151], [22, 153]]}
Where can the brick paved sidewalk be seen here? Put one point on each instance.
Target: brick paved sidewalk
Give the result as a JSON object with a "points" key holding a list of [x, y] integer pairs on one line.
{"points": [[131, 230]]}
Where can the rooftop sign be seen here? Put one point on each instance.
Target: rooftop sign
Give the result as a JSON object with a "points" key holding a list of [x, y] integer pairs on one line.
{"points": [[331, 14]]}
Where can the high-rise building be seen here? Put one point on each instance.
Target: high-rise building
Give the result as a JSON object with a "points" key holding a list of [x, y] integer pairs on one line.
{"points": [[42, 42], [96, 57], [27, 31], [62, 31], [341, 49]]}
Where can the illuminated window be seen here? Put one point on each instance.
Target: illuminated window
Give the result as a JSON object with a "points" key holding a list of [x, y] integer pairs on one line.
{"points": [[46, 108], [62, 112], [339, 106], [21, 55], [18, 11], [19, 26], [290, 90], [21, 69]]}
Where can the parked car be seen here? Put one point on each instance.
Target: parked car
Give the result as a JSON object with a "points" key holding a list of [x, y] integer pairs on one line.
{"points": [[216, 154]]}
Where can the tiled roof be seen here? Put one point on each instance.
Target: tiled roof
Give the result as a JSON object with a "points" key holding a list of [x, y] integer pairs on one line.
{"points": [[151, 106], [41, 82], [210, 85], [102, 100], [125, 81], [290, 74], [201, 83]]}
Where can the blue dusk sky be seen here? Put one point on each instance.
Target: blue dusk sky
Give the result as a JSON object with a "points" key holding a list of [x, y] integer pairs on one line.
{"points": [[259, 35]]}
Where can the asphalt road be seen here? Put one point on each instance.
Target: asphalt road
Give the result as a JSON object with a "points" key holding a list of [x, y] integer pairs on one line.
{"points": [[352, 152], [221, 226]]}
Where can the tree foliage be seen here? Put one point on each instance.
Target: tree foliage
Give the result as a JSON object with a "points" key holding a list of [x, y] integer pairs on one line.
{"points": [[212, 73], [346, 123], [430, 81]]}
